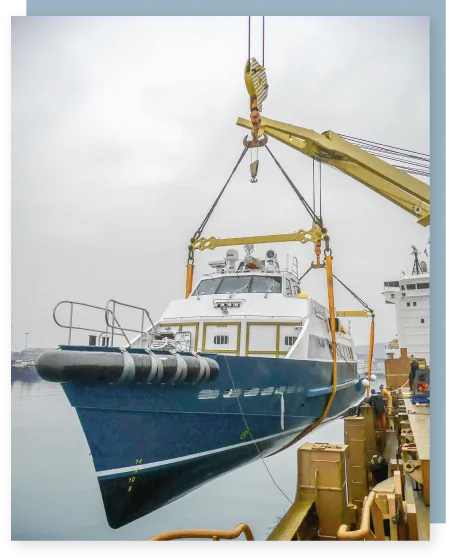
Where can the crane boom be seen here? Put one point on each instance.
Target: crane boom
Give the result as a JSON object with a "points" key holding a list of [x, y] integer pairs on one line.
{"points": [[395, 185]]}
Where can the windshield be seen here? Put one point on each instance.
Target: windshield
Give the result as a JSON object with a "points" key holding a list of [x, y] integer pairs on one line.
{"points": [[239, 284], [207, 287], [263, 284], [233, 284]]}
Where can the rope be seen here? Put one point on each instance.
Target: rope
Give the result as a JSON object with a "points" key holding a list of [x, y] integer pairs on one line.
{"points": [[320, 192], [249, 37], [263, 41], [382, 145], [415, 163], [307, 272], [252, 437], [365, 305], [318, 421], [208, 215], [311, 213], [313, 182]]}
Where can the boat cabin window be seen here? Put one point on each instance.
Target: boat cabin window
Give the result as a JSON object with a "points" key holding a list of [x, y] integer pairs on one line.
{"points": [[288, 288], [263, 284], [423, 285], [239, 284], [207, 287], [290, 340], [231, 284], [221, 339]]}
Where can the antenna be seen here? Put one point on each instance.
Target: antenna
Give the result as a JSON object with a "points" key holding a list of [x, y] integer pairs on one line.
{"points": [[416, 266]]}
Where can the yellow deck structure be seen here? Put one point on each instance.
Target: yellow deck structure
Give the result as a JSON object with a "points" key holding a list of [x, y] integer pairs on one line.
{"points": [[337, 498]]}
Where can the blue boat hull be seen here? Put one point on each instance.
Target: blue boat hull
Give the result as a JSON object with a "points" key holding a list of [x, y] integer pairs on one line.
{"points": [[153, 444]]}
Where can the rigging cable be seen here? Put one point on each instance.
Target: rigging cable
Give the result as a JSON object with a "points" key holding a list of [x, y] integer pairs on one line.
{"points": [[249, 37], [199, 231], [263, 41], [365, 305], [252, 437], [313, 182], [310, 211], [409, 161], [320, 192]]}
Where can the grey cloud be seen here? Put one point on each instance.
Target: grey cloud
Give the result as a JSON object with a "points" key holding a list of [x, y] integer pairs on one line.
{"points": [[123, 132]]}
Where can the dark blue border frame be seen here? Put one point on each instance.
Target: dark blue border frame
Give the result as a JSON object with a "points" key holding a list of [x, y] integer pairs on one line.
{"points": [[439, 77]]}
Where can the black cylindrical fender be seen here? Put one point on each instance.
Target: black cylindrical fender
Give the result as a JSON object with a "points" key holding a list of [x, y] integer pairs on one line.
{"points": [[117, 367]]}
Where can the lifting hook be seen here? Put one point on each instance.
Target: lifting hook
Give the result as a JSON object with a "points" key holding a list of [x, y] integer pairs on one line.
{"points": [[318, 264], [255, 142]]}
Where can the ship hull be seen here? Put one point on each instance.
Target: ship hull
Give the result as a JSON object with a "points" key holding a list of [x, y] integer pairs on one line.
{"points": [[153, 444]]}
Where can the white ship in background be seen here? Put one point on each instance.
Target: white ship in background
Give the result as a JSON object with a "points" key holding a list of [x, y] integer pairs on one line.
{"points": [[411, 296]]}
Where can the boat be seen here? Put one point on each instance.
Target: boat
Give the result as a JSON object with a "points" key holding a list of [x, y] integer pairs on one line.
{"points": [[230, 374], [411, 297]]}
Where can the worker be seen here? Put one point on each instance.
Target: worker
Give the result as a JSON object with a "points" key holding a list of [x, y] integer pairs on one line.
{"points": [[387, 396], [411, 376], [379, 468], [376, 400]]}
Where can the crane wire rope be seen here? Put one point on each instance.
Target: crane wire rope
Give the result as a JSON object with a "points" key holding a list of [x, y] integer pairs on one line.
{"points": [[409, 161], [317, 220]]}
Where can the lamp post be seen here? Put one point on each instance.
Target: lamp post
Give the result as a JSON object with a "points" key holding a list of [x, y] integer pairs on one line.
{"points": [[26, 340]]}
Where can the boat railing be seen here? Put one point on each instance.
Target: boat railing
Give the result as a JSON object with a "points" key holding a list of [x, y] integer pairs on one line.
{"points": [[113, 325], [112, 313], [295, 267], [214, 534]]}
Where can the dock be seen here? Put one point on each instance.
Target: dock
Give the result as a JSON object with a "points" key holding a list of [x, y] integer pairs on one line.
{"points": [[338, 497]]}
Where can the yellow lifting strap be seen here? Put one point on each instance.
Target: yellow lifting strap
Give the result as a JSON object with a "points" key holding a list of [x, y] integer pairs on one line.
{"points": [[189, 280], [330, 294], [370, 355]]}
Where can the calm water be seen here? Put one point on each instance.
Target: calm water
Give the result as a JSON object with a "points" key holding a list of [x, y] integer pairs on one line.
{"points": [[55, 495]]}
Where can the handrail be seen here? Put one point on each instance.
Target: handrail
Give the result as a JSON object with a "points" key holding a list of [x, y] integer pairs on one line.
{"points": [[115, 323], [214, 534], [360, 534], [295, 267], [114, 319], [70, 326]]}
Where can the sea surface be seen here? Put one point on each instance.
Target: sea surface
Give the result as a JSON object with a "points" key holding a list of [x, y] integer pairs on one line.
{"points": [[55, 495]]}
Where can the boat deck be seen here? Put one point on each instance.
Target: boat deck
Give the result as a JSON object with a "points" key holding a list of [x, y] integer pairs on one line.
{"points": [[419, 418]]}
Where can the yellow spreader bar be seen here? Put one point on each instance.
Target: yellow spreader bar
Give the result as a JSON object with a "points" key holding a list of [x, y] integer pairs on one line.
{"points": [[301, 235]]}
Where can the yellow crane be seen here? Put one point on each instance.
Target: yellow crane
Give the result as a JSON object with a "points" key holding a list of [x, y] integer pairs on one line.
{"points": [[397, 186], [330, 148]]}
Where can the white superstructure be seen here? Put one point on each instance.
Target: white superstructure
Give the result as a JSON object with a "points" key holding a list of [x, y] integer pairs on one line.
{"points": [[251, 307], [411, 296]]}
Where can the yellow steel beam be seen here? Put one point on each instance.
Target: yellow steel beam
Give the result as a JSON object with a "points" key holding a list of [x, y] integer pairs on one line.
{"points": [[400, 188], [364, 313], [301, 235]]}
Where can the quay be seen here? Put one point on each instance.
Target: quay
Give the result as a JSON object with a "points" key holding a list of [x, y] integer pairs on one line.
{"points": [[337, 497]]}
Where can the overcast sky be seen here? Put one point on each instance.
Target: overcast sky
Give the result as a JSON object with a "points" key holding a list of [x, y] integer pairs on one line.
{"points": [[124, 133]]}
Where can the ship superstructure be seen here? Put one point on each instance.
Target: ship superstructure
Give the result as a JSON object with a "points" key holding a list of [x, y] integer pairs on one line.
{"points": [[411, 297]]}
